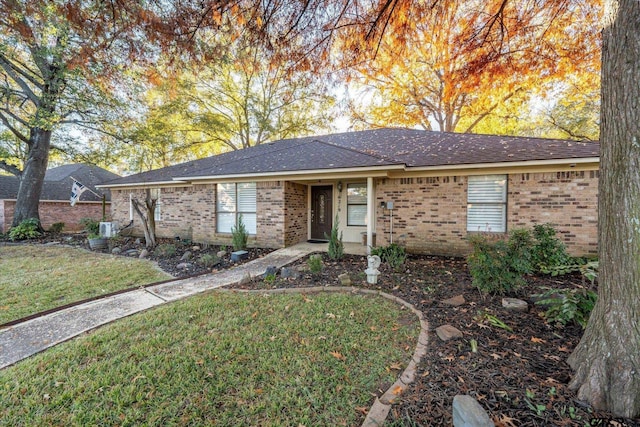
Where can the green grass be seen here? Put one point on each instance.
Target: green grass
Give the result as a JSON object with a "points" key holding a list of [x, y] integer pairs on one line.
{"points": [[36, 278], [219, 359]]}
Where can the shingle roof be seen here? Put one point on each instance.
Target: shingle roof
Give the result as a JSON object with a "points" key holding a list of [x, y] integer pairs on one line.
{"points": [[57, 182], [371, 148]]}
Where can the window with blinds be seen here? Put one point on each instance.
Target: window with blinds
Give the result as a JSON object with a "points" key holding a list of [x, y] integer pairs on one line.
{"points": [[357, 204], [487, 203], [235, 200], [157, 213]]}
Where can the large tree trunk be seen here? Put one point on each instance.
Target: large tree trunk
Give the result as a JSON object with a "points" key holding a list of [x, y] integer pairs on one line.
{"points": [[607, 359], [32, 177]]}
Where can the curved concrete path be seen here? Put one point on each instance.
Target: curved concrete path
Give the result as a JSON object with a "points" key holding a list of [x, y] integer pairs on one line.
{"points": [[24, 339]]}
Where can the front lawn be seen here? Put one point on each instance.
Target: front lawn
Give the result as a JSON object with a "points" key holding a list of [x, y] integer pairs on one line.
{"points": [[220, 359], [36, 278]]}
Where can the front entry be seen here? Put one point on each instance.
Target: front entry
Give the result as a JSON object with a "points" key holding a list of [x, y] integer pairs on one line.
{"points": [[321, 211]]}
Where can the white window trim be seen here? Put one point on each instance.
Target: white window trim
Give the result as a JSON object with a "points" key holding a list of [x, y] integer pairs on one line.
{"points": [[235, 212], [500, 203], [363, 185]]}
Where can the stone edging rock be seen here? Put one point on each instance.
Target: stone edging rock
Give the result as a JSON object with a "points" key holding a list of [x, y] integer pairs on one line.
{"points": [[382, 405]]}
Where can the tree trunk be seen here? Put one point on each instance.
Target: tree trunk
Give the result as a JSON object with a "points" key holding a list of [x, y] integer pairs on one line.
{"points": [[32, 177], [607, 359], [147, 216]]}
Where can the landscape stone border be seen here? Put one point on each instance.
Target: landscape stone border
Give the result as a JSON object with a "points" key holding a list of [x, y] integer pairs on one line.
{"points": [[382, 405]]}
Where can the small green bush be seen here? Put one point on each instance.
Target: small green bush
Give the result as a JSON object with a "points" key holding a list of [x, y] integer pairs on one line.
{"points": [[315, 263], [567, 305], [548, 252], [27, 229], [56, 227], [166, 250], [91, 226], [208, 260], [336, 247], [499, 267], [393, 254], [239, 235], [270, 279]]}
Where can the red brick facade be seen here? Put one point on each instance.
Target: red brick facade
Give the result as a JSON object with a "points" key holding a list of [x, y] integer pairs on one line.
{"points": [[52, 212], [429, 215]]}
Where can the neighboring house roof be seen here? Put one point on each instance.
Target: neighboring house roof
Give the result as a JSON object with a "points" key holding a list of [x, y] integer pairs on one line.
{"points": [[379, 148], [58, 182]]}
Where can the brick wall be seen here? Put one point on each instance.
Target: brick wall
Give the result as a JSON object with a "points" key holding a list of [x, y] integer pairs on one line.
{"points": [[271, 214], [54, 211], [295, 211], [568, 200], [429, 214]]}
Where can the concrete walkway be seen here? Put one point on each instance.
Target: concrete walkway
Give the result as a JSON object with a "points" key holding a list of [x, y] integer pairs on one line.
{"points": [[20, 341]]}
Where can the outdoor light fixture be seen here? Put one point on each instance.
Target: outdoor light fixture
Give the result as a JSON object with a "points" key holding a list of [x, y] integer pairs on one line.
{"points": [[340, 186]]}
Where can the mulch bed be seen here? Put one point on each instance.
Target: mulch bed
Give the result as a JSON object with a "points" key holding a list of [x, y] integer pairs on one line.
{"points": [[520, 376]]}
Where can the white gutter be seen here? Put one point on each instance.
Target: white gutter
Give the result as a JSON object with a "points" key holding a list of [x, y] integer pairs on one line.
{"points": [[554, 162], [274, 175], [141, 184]]}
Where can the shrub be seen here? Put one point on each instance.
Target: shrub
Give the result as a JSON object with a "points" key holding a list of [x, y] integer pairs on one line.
{"points": [[336, 247], [208, 260], [239, 235], [57, 227], [393, 254], [499, 267], [91, 226], [166, 250], [315, 263], [548, 252], [27, 229], [567, 305]]}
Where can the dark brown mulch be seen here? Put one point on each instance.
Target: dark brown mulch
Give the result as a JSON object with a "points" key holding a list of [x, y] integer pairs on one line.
{"points": [[520, 377], [172, 264]]}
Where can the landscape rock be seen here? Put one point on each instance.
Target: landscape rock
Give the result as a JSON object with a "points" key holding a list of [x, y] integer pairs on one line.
{"points": [[448, 332], [51, 243], [221, 254], [239, 256], [456, 301], [289, 273], [186, 256], [467, 412], [195, 248], [131, 252], [246, 279], [116, 250], [271, 270], [144, 253], [515, 304], [138, 241], [345, 279], [183, 266]]}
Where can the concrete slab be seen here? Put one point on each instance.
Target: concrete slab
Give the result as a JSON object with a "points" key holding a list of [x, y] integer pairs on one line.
{"points": [[25, 339]]}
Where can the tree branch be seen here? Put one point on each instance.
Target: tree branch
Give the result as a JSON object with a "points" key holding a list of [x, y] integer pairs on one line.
{"points": [[10, 168]]}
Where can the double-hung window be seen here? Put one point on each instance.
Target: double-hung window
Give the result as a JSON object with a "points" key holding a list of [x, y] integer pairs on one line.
{"points": [[233, 201], [356, 204], [487, 203]]}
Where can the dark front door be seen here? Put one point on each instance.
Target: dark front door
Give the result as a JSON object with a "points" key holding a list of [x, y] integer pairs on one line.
{"points": [[321, 211]]}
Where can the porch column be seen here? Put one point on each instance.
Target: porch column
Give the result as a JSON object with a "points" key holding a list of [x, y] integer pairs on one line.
{"points": [[371, 214]]}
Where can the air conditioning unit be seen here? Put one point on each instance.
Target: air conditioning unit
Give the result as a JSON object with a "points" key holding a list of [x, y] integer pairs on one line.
{"points": [[108, 229]]}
